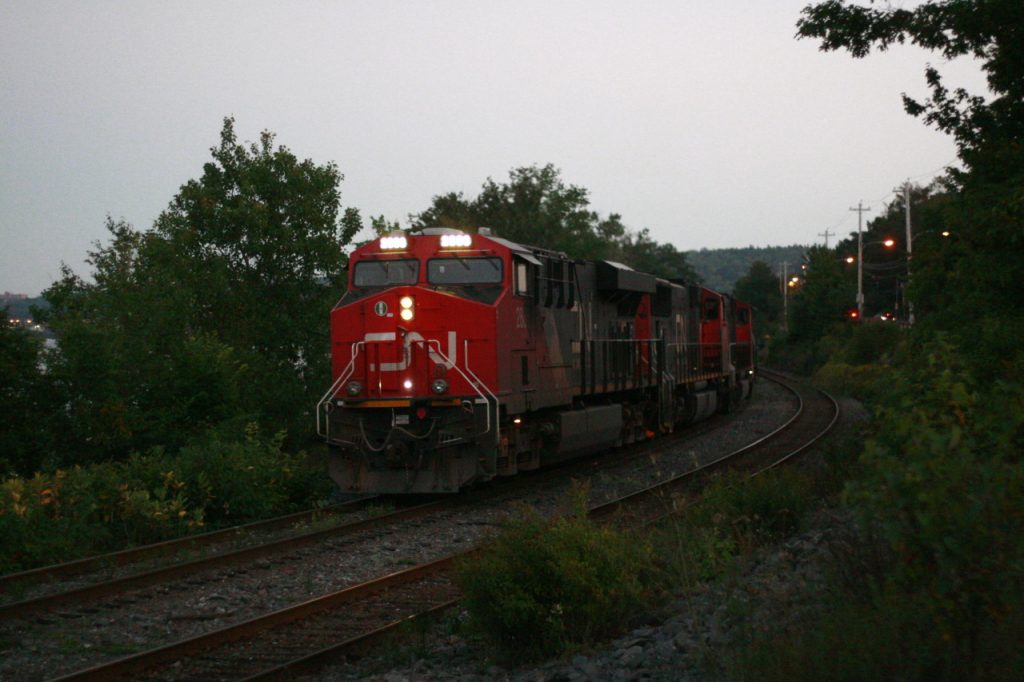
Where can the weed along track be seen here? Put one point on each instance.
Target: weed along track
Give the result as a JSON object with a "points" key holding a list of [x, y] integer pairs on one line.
{"points": [[140, 622]]}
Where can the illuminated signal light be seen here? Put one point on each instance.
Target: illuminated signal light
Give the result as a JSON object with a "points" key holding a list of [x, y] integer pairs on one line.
{"points": [[406, 304], [853, 314], [450, 241], [395, 242]]}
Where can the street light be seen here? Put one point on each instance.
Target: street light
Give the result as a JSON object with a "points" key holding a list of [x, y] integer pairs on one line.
{"points": [[887, 243], [945, 234]]}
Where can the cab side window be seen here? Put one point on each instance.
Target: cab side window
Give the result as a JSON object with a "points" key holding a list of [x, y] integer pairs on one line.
{"points": [[523, 283], [710, 309]]}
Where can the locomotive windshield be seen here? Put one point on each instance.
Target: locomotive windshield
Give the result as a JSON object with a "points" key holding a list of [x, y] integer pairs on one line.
{"points": [[380, 273], [464, 271]]}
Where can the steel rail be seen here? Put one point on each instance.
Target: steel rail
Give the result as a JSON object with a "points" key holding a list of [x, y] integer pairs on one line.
{"points": [[157, 549], [227, 558], [138, 663], [659, 489], [833, 419]]}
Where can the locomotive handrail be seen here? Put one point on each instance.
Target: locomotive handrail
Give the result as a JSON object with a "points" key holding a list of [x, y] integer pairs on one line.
{"points": [[497, 425], [471, 381], [345, 374]]}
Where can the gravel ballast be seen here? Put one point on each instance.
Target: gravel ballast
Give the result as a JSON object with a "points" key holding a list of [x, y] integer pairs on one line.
{"points": [[42, 646]]}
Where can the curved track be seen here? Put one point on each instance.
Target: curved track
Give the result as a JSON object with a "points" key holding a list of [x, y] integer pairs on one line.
{"points": [[306, 635]]}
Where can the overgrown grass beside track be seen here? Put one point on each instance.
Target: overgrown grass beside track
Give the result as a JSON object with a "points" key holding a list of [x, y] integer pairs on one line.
{"points": [[149, 497], [932, 586]]}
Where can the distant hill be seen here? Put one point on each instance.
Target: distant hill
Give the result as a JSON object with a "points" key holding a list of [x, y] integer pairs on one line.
{"points": [[21, 307], [720, 268]]}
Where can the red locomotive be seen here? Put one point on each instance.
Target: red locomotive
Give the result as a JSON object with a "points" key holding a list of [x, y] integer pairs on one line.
{"points": [[460, 357]]}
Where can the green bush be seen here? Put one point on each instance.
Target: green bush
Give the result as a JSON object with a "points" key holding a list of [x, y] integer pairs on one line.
{"points": [[866, 343], [942, 486], [863, 382], [152, 497], [762, 509], [541, 587], [735, 516]]}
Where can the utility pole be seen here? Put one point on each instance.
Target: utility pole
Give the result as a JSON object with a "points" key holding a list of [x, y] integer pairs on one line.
{"points": [[910, 251], [826, 234], [785, 296], [861, 209]]}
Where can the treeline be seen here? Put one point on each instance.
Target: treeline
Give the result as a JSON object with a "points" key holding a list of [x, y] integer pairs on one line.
{"points": [[721, 268], [22, 308]]}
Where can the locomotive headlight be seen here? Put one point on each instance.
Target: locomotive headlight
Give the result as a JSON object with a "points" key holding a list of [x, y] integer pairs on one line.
{"points": [[407, 384], [396, 242], [449, 241], [354, 388], [406, 304], [439, 386]]}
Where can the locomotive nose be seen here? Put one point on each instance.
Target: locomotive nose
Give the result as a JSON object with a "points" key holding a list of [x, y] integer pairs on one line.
{"points": [[398, 360]]}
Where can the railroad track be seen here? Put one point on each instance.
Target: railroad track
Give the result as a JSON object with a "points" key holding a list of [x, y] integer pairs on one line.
{"points": [[183, 568], [187, 544], [305, 635]]}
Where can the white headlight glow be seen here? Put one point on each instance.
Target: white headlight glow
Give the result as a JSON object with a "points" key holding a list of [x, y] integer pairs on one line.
{"points": [[398, 242], [456, 240]]}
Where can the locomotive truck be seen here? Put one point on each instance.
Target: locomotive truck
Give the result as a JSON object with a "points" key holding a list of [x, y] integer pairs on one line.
{"points": [[458, 357]]}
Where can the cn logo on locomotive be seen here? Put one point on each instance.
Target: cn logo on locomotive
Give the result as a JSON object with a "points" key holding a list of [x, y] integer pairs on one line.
{"points": [[410, 338]]}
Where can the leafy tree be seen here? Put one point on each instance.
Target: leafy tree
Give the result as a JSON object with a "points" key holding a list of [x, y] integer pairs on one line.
{"points": [[969, 279], [824, 298], [219, 312], [27, 398], [534, 207], [942, 479], [989, 133], [664, 260], [760, 288], [537, 207]]}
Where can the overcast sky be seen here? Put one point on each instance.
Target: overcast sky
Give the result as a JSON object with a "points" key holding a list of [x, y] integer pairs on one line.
{"points": [[706, 122]]}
